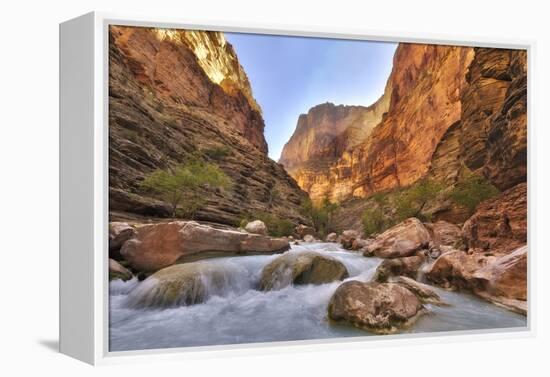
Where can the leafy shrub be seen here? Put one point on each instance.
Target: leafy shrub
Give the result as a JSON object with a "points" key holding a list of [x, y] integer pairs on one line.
{"points": [[374, 221], [217, 153], [319, 214], [276, 226], [182, 186], [471, 191], [411, 201]]}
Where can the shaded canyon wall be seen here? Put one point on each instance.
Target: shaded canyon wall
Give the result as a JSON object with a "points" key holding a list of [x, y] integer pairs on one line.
{"points": [[176, 94]]}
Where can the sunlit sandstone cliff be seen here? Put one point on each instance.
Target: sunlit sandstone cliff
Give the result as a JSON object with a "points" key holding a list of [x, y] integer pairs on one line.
{"points": [[175, 94], [424, 101], [449, 107]]}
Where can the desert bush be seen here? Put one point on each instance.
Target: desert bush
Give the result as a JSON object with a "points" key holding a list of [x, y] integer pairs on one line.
{"points": [[218, 152], [319, 214], [411, 201], [471, 191], [374, 221], [182, 186], [276, 226]]}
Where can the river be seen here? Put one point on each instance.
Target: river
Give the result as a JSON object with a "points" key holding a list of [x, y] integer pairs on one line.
{"points": [[239, 313]]}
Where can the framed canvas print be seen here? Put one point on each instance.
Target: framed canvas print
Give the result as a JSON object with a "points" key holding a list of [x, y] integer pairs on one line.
{"points": [[224, 188]]}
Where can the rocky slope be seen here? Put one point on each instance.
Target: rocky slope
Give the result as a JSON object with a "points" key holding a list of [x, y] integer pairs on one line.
{"points": [[176, 94], [449, 108]]}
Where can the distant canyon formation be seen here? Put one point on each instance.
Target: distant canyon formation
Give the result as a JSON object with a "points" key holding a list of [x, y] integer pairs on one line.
{"points": [[444, 108], [176, 94]]}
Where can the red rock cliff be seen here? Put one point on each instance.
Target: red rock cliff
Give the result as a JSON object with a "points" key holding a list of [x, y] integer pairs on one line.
{"points": [[421, 103], [175, 94]]}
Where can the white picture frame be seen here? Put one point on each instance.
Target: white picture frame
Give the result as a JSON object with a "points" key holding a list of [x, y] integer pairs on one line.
{"points": [[84, 191]]}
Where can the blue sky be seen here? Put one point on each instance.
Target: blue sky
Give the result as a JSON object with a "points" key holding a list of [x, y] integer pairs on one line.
{"points": [[289, 75]]}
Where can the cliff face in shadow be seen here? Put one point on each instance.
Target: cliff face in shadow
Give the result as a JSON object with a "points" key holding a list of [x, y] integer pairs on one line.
{"points": [[494, 116], [180, 94]]}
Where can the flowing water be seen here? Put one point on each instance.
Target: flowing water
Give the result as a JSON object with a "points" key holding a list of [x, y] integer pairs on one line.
{"points": [[239, 313]]}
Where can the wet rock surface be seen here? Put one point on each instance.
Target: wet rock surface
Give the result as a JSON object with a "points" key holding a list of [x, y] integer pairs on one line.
{"points": [[407, 266], [301, 268], [380, 308], [118, 271]]}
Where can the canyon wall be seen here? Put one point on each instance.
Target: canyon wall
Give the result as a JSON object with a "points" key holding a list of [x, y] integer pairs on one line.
{"points": [[445, 108], [178, 94], [422, 100]]}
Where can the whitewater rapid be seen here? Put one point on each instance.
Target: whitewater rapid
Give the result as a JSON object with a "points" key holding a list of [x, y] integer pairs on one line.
{"points": [[239, 313]]}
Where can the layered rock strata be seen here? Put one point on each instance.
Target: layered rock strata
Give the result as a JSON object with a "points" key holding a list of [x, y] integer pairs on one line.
{"points": [[175, 95]]}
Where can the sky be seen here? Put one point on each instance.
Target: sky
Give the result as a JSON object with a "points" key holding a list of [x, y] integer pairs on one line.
{"points": [[290, 75]]}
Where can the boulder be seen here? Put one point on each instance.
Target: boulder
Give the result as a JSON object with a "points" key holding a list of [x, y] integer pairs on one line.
{"points": [[309, 238], [119, 233], [504, 281], [347, 238], [256, 227], [500, 279], [301, 268], [378, 307], [444, 233], [302, 230], [161, 245], [500, 224], [118, 271], [181, 284], [360, 243], [331, 237], [407, 266], [453, 270], [401, 240], [423, 291]]}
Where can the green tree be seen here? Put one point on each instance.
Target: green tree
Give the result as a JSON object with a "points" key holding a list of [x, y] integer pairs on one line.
{"points": [[412, 201], [374, 221], [318, 213], [182, 186], [471, 191]]}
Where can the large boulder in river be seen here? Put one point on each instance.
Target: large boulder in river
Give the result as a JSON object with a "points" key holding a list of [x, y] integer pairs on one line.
{"points": [[309, 238], [301, 268], [119, 233], [181, 284], [118, 271], [347, 238], [401, 240], [407, 266], [161, 245], [256, 227], [378, 307]]}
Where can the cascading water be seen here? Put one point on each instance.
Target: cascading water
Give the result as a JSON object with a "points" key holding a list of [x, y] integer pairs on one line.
{"points": [[235, 311]]}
